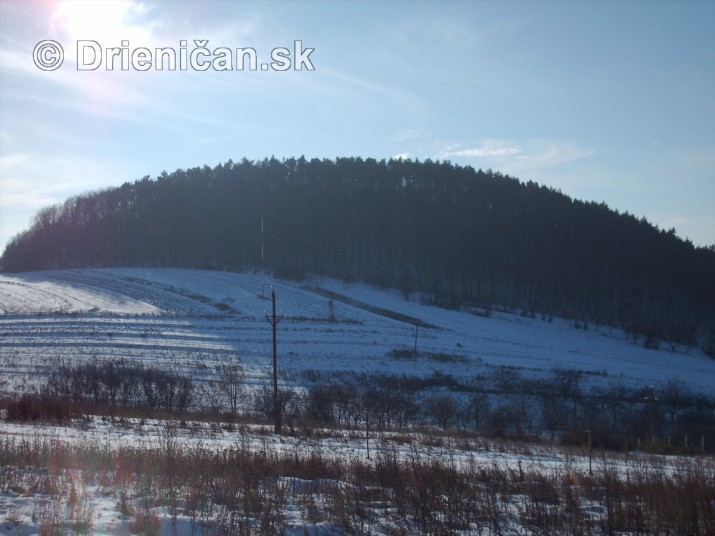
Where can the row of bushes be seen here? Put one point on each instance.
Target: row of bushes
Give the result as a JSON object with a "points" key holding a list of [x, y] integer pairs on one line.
{"points": [[504, 403], [121, 384], [508, 404]]}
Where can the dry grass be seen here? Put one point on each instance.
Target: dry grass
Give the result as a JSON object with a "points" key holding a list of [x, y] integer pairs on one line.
{"points": [[243, 490]]}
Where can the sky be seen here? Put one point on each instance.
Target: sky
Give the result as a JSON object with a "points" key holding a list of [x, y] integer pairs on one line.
{"points": [[606, 101]]}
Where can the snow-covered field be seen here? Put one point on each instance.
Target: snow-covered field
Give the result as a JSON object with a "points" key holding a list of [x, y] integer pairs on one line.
{"points": [[109, 500], [194, 320]]}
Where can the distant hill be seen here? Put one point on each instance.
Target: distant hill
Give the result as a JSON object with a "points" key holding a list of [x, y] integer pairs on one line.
{"points": [[458, 236]]}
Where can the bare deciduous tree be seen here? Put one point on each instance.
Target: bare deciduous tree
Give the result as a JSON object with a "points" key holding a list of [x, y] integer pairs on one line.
{"points": [[230, 384], [674, 394]]}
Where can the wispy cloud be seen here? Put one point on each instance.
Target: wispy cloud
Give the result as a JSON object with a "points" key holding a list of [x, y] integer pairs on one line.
{"points": [[544, 153], [490, 149], [31, 181], [518, 156], [49, 177]]}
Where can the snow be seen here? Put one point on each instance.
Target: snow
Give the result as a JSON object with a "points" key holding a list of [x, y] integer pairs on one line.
{"points": [[20, 509], [35, 293], [196, 320]]}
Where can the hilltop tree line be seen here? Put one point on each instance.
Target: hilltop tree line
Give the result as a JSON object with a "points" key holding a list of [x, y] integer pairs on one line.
{"points": [[459, 236]]}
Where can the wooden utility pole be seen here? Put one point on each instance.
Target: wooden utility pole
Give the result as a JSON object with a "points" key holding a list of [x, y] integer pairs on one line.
{"points": [[273, 319], [417, 328], [367, 431]]}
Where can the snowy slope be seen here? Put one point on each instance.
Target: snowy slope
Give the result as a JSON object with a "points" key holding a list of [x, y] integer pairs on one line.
{"points": [[36, 293], [195, 320]]}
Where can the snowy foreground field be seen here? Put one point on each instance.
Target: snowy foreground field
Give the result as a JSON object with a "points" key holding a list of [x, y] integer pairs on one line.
{"points": [[149, 477], [133, 475], [196, 320]]}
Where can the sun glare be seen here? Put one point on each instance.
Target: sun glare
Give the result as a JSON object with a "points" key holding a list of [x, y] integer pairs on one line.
{"points": [[108, 22]]}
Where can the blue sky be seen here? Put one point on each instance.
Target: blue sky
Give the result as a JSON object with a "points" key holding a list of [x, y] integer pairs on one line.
{"points": [[606, 101]]}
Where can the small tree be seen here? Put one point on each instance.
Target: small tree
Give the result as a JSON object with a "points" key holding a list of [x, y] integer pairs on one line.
{"points": [[211, 397], [674, 395], [443, 409], [230, 384]]}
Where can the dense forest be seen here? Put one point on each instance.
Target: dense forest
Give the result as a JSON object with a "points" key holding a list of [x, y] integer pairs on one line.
{"points": [[460, 237]]}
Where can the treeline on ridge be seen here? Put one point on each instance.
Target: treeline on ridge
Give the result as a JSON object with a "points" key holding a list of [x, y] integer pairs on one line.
{"points": [[461, 237]]}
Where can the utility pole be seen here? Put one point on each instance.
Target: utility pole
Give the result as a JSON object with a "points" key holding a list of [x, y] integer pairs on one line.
{"points": [[417, 328], [273, 319], [651, 399], [262, 242], [367, 431], [590, 471]]}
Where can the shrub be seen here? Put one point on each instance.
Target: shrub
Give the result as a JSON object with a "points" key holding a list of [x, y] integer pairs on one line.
{"points": [[36, 407]]}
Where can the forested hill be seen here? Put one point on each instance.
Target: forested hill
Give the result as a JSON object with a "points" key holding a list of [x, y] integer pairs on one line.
{"points": [[460, 236]]}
